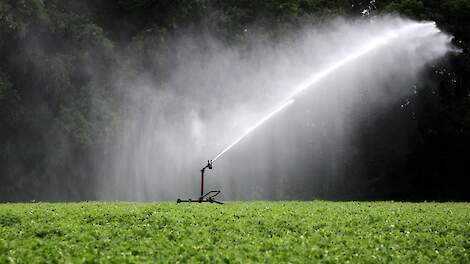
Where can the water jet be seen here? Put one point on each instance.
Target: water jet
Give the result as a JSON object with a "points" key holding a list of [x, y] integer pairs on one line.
{"points": [[378, 42]]}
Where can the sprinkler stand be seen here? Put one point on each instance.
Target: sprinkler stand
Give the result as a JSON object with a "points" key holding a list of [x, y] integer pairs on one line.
{"points": [[203, 198]]}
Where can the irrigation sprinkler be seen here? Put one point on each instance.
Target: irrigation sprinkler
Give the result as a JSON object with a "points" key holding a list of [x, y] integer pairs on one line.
{"points": [[209, 197], [375, 43]]}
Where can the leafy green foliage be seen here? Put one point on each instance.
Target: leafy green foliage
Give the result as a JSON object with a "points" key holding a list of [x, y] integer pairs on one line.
{"points": [[296, 232], [9, 102], [16, 16], [409, 8], [89, 118]]}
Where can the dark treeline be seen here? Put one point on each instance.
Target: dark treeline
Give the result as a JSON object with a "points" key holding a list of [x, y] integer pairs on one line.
{"points": [[60, 61]]}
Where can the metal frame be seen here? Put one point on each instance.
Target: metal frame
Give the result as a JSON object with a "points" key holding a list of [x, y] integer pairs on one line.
{"points": [[203, 198]]}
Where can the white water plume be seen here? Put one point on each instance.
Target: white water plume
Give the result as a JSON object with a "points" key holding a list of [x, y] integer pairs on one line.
{"points": [[358, 68], [251, 129], [429, 28]]}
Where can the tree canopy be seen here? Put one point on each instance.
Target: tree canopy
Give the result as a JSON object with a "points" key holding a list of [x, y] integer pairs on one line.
{"points": [[59, 105]]}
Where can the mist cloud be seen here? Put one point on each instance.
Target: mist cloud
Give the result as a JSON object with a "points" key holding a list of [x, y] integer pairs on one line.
{"points": [[216, 91]]}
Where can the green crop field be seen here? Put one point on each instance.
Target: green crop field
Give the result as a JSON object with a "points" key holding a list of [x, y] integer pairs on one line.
{"points": [[238, 232]]}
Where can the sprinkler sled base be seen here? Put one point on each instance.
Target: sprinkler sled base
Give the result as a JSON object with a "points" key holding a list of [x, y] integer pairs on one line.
{"points": [[206, 198]]}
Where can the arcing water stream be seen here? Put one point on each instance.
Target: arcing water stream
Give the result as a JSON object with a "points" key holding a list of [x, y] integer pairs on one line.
{"points": [[259, 123], [214, 92], [378, 42]]}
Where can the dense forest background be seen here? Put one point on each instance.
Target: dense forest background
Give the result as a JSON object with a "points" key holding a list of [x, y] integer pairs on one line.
{"points": [[59, 105]]}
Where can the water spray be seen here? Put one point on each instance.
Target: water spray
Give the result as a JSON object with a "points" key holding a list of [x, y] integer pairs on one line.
{"points": [[375, 43], [210, 196], [251, 129]]}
